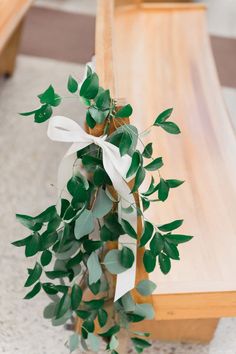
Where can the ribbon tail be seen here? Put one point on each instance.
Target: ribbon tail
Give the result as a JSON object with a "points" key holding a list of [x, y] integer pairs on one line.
{"points": [[125, 281]]}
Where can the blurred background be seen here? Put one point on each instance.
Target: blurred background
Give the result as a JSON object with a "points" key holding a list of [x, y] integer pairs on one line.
{"points": [[58, 39]]}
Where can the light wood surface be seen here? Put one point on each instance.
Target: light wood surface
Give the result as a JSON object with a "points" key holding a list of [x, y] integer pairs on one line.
{"points": [[199, 331], [12, 14], [162, 58], [175, 69]]}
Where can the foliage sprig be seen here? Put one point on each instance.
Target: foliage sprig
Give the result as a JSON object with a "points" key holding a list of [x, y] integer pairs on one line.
{"points": [[72, 267]]}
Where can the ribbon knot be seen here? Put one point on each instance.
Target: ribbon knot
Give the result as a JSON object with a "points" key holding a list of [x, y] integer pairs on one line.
{"points": [[116, 166]]}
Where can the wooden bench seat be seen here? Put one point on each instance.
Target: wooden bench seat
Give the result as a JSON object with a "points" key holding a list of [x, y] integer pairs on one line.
{"points": [[158, 56], [12, 13]]}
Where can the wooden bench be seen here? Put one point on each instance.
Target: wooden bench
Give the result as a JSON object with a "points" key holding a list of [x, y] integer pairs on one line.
{"points": [[158, 56], [12, 13]]}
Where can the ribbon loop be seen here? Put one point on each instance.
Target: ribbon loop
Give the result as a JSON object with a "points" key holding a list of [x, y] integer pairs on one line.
{"points": [[116, 166]]}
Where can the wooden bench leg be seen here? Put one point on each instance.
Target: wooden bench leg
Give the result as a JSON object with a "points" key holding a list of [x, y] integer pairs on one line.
{"points": [[9, 53], [194, 330]]}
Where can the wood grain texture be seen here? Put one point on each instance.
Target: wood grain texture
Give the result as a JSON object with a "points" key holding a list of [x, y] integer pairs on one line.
{"points": [[175, 68], [163, 59], [11, 14], [199, 331]]}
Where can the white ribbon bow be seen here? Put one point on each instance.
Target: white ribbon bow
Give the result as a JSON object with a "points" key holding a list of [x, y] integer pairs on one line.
{"points": [[66, 130]]}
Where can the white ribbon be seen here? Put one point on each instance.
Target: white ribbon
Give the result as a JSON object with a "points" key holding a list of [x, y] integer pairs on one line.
{"points": [[66, 130]]}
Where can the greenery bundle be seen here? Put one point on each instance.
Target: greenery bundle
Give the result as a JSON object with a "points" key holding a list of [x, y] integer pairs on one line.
{"points": [[77, 270]]}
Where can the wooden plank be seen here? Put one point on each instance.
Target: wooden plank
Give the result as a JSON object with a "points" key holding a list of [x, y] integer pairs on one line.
{"points": [[172, 69], [8, 55], [198, 331], [12, 13], [183, 73], [195, 305]]}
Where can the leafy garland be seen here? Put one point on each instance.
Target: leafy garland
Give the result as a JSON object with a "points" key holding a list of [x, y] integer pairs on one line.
{"points": [[62, 238]]}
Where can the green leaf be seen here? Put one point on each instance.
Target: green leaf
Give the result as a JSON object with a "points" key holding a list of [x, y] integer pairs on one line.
{"points": [[90, 245], [163, 116], [29, 222], [132, 317], [147, 233], [26, 114], [94, 304], [128, 302], [173, 183], [113, 330], [50, 288], [146, 287], [36, 289], [125, 143], [113, 225], [163, 190], [151, 189], [124, 112], [84, 224], [114, 343], [34, 275], [90, 86], [141, 343], [48, 239], [89, 120], [88, 325], [164, 262], [139, 178], [136, 159], [97, 115], [49, 311], [54, 274], [89, 71], [22, 242], [145, 203], [94, 268], [43, 113], [93, 342], [112, 262], [95, 287], [171, 250], [73, 342], [82, 314], [145, 310], [126, 257], [102, 205], [33, 245], [107, 235], [72, 85], [170, 226], [148, 150], [149, 261], [100, 177], [47, 215], [75, 260], [50, 97], [46, 258], [170, 127], [76, 296], [176, 239], [128, 229], [154, 165], [103, 100], [63, 306], [62, 320], [77, 189], [102, 317], [157, 244]]}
